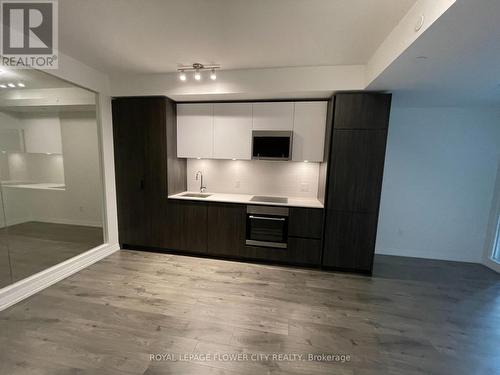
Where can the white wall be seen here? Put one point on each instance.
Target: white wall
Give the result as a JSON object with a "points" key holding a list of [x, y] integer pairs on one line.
{"points": [[270, 83], [257, 177], [84, 76], [78, 168], [438, 183], [83, 201]]}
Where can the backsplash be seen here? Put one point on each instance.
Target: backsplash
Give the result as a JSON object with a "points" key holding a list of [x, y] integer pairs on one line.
{"points": [[258, 177], [27, 167]]}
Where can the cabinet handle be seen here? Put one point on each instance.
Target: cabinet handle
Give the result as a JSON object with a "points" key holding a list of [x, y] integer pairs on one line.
{"points": [[142, 184], [267, 218]]}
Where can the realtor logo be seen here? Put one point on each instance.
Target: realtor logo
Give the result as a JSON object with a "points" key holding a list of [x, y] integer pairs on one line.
{"points": [[29, 34]]}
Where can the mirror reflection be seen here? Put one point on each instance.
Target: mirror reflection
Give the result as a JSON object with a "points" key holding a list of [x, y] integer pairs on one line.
{"points": [[51, 188]]}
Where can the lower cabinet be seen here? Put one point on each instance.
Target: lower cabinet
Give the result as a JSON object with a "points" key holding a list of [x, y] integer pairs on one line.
{"points": [[300, 251], [186, 227], [350, 242], [305, 250], [305, 222], [226, 229], [220, 230]]}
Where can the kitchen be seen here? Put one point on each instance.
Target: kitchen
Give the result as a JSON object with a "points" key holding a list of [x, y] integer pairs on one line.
{"points": [[251, 187], [251, 180]]}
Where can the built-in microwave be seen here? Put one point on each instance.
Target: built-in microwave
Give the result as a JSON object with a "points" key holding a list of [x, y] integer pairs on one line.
{"points": [[267, 226], [272, 145]]}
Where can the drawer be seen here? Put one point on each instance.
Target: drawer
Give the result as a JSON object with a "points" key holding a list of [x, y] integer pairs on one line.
{"points": [[300, 251]]}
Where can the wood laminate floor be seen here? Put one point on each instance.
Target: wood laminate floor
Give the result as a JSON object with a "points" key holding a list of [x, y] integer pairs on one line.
{"points": [[412, 317], [31, 247]]}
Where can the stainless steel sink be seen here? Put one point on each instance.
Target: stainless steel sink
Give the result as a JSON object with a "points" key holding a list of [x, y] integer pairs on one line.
{"points": [[262, 198], [196, 195]]}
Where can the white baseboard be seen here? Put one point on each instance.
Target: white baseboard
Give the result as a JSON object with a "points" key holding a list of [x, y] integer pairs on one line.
{"points": [[491, 264], [18, 220], [22, 289], [86, 223], [412, 253]]}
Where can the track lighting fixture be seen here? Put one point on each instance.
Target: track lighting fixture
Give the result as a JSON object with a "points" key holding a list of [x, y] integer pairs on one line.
{"points": [[197, 68]]}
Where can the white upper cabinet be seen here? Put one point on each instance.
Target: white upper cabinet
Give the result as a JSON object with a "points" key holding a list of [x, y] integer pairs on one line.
{"points": [[232, 130], [195, 130], [224, 130], [309, 131], [273, 116]]}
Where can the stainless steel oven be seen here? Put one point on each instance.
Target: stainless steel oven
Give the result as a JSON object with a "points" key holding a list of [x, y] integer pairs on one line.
{"points": [[267, 226]]}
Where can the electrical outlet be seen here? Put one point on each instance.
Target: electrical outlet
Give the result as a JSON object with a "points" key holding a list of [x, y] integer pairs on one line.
{"points": [[237, 184], [304, 187]]}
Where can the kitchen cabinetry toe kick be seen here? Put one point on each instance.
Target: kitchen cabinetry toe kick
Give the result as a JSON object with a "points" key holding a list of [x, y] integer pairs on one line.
{"points": [[277, 245]]}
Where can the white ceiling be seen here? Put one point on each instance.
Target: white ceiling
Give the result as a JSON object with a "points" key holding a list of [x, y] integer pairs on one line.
{"points": [[155, 36], [32, 79], [463, 60]]}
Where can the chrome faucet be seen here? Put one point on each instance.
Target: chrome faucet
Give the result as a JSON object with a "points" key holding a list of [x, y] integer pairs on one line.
{"points": [[202, 188]]}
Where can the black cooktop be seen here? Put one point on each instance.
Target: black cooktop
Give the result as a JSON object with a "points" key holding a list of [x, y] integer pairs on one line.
{"points": [[263, 198]]}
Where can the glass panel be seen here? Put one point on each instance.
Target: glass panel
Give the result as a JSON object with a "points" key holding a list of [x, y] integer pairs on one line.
{"points": [[496, 243], [5, 270], [51, 179]]}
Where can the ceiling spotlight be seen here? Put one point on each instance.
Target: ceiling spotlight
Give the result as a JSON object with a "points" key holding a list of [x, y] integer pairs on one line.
{"points": [[3, 86], [11, 85], [20, 84], [197, 69]]}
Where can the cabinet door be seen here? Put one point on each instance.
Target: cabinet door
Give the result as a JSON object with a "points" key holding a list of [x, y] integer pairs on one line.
{"points": [[305, 222], [232, 131], [357, 165], [309, 127], [195, 130], [350, 241], [226, 229], [272, 116], [186, 227], [362, 111], [134, 220], [154, 125]]}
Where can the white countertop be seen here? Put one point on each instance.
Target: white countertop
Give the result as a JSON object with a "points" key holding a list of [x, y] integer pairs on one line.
{"points": [[245, 199], [36, 186]]}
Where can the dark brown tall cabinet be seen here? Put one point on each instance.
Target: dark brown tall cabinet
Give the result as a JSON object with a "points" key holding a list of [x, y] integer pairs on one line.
{"points": [[144, 132], [354, 180]]}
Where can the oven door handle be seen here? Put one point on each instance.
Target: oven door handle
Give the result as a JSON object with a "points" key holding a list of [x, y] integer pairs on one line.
{"points": [[267, 218]]}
